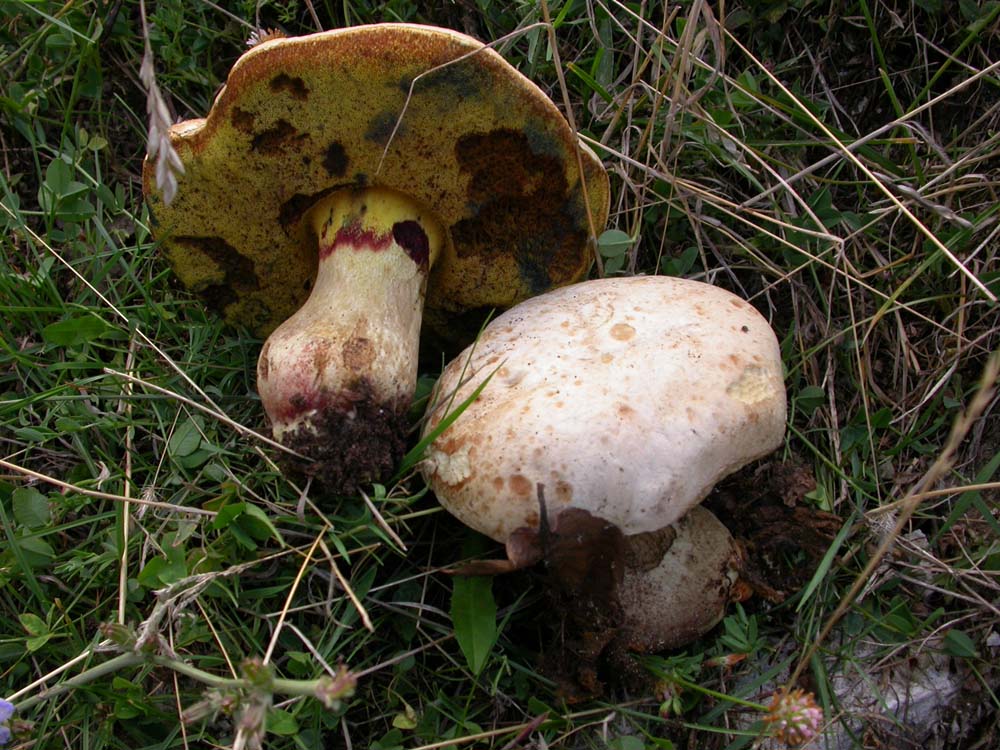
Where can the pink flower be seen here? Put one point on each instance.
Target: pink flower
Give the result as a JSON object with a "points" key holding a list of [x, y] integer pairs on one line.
{"points": [[793, 717]]}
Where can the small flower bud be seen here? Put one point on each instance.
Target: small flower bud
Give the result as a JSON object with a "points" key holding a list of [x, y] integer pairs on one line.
{"points": [[122, 636], [257, 673], [331, 690], [793, 717], [214, 702]]}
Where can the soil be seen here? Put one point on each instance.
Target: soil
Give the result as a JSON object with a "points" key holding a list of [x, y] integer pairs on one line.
{"points": [[766, 510], [349, 445]]}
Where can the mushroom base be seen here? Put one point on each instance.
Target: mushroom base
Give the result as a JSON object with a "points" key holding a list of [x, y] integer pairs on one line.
{"points": [[349, 444], [611, 595]]}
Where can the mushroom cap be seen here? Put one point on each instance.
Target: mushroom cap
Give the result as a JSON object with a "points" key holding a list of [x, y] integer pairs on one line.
{"points": [[628, 397], [300, 118], [677, 582]]}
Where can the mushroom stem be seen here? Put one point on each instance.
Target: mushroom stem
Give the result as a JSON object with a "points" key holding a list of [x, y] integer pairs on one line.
{"points": [[336, 379]]}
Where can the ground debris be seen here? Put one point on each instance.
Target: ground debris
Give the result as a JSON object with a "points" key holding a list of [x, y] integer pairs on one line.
{"points": [[784, 537]]}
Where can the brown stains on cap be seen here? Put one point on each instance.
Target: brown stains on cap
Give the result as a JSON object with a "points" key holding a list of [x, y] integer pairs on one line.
{"points": [[335, 159], [243, 120], [521, 485], [521, 205], [277, 139], [238, 274], [622, 331], [564, 492], [291, 85], [301, 117]]}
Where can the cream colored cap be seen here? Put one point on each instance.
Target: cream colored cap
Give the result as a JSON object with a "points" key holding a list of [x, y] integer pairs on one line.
{"points": [[627, 397]]}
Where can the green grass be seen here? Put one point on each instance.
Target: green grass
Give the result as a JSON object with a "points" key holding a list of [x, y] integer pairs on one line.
{"points": [[838, 165]]}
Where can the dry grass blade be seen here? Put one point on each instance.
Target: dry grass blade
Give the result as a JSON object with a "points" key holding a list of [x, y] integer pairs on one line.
{"points": [[38, 476], [940, 467], [842, 149]]}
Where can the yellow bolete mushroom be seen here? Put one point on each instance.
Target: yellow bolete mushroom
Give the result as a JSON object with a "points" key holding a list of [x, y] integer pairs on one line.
{"points": [[626, 400], [340, 177]]}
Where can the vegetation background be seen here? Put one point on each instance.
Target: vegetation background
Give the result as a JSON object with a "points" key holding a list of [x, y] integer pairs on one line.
{"points": [[836, 163]]}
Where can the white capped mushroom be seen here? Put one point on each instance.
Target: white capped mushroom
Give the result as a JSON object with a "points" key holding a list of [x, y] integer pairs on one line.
{"points": [[628, 398]]}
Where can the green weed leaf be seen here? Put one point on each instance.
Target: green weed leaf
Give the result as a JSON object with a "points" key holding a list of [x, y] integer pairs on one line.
{"points": [[37, 552], [474, 615], [958, 643], [226, 515], [33, 624], [36, 642], [255, 522], [31, 507], [281, 722], [614, 243], [186, 438], [76, 331]]}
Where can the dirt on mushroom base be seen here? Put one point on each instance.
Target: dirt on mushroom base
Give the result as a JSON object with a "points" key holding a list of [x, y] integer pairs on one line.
{"points": [[589, 652], [350, 444]]}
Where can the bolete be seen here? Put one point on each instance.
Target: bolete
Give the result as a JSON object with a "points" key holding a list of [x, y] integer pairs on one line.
{"points": [[626, 400], [340, 177]]}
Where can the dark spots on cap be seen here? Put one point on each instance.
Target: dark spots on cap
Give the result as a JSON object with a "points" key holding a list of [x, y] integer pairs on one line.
{"points": [[622, 331], [520, 485], [458, 80], [543, 141], [410, 236], [239, 277], [243, 120], [380, 127], [745, 329], [521, 206], [275, 140], [335, 159], [293, 86], [291, 211]]}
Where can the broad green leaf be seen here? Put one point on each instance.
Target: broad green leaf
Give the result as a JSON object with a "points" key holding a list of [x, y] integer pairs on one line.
{"points": [[680, 265], [474, 615], [197, 458], [405, 719], [258, 524], [32, 435], [37, 552], [186, 438], [31, 507], [33, 624], [160, 571], [227, 514], [958, 643], [37, 641], [628, 742], [810, 398], [614, 243], [281, 722], [76, 331]]}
